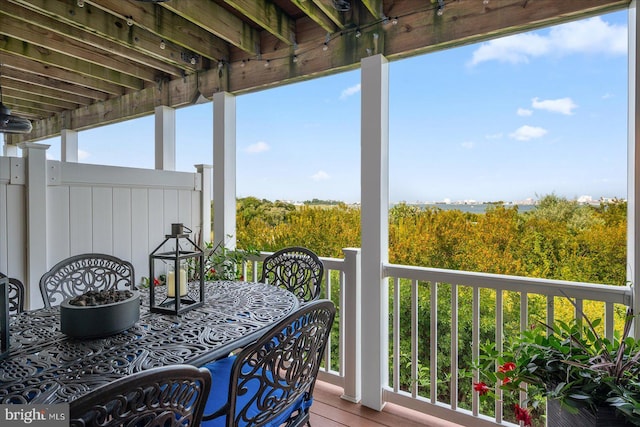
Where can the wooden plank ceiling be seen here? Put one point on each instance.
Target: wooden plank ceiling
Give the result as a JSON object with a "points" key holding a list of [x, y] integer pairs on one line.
{"points": [[78, 64]]}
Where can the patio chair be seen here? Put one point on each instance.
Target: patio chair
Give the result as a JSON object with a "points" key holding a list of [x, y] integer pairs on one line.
{"points": [[271, 381], [296, 269], [86, 272], [16, 295], [172, 395]]}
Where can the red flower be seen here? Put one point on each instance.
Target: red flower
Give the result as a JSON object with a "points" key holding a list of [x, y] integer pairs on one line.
{"points": [[481, 388], [241, 278], [213, 271], [509, 366], [156, 282], [522, 414]]}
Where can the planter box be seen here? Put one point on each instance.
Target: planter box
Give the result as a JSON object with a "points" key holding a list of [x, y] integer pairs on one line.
{"points": [[605, 417]]}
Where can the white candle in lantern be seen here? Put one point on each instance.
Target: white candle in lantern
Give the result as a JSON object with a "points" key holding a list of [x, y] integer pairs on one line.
{"points": [[171, 287]]}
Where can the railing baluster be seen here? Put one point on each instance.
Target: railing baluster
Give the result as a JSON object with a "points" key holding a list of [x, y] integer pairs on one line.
{"points": [[433, 345], [396, 334], [608, 320], [499, 347], [454, 347], [414, 338], [475, 344]]}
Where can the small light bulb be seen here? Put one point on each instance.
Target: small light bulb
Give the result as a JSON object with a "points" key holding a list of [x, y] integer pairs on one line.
{"points": [[440, 11], [129, 21], [358, 34], [193, 60], [295, 58], [485, 2], [162, 45], [394, 21], [266, 64], [325, 47], [242, 64], [80, 3]]}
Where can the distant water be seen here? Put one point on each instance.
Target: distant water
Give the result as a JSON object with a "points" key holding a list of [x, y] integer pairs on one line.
{"points": [[473, 208]]}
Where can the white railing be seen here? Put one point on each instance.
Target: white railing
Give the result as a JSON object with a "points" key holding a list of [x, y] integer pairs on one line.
{"points": [[424, 286], [341, 285]]}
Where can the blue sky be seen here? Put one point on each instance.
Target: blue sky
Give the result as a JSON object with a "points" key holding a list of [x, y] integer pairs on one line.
{"points": [[510, 119]]}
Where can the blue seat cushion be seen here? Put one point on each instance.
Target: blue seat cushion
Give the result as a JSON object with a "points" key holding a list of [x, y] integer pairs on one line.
{"points": [[221, 375]]}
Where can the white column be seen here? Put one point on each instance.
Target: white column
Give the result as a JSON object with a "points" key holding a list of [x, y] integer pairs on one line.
{"points": [[633, 167], [352, 325], [69, 146], [165, 137], [10, 150], [36, 184], [374, 183], [205, 172], [224, 169]]}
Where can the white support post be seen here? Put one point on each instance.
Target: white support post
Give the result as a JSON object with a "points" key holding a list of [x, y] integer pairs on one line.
{"points": [[36, 184], [165, 138], [69, 146], [10, 150], [224, 169], [352, 325], [374, 167], [633, 168], [205, 171]]}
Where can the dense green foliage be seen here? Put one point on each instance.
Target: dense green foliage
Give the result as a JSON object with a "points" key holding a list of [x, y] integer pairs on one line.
{"points": [[558, 239]]}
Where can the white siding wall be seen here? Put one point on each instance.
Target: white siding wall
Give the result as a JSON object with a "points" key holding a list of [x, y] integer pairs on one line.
{"points": [[125, 212]]}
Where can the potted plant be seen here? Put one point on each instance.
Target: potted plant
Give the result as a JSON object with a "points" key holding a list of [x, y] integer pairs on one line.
{"points": [[586, 379], [222, 263]]}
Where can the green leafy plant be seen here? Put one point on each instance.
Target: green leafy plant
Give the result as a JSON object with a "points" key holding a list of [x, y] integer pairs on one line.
{"points": [[221, 263], [569, 362]]}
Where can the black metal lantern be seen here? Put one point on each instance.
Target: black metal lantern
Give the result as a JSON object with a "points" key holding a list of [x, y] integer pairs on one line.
{"points": [[183, 269]]}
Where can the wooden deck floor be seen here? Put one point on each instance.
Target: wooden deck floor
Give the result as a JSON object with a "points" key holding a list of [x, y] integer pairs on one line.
{"points": [[329, 410]]}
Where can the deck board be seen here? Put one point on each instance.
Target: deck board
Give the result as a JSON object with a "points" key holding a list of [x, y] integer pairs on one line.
{"points": [[329, 410]]}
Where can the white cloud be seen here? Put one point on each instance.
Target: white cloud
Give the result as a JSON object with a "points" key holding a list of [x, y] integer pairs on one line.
{"points": [[607, 96], [258, 147], [468, 145], [587, 36], [526, 133], [524, 112], [320, 176], [562, 105], [82, 155], [350, 91]]}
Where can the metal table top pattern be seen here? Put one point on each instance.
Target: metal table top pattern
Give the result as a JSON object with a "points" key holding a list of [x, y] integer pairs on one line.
{"points": [[45, 366]]}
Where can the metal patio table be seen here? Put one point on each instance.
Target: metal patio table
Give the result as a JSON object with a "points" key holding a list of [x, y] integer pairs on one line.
{"points": [[45, 366]]}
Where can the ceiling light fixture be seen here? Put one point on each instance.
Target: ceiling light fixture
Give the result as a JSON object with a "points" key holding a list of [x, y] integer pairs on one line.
{"points": [[10, 123]]}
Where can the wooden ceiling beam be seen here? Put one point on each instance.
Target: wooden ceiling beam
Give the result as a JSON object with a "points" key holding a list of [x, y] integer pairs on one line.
{"points": [[21, 48], [8, 82], [374, 7], [219, 21], [82, 38], [56, 42], [167, 25], [317, 15], [62, 90], [46, 101], [98, 88], [268, 16], [20, 106], [327, 7]]}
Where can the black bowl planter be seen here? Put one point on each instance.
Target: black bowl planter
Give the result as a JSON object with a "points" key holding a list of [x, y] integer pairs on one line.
{"points": [[109, 316]]}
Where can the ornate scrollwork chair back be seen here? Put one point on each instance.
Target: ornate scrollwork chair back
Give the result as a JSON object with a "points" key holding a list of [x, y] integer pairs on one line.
{"points": [[297, 269], [81, 273], [270, 382], [16, 295], [172, 395]]}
